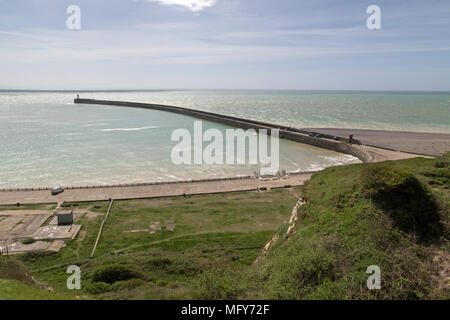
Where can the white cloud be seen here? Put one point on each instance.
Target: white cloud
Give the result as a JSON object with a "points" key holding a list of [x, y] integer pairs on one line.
{"points": [[193, 5]]}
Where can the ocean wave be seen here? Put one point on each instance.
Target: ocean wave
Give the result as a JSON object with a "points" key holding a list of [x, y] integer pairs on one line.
{"points": [[94, 124], [342, 159], [128, 129]]}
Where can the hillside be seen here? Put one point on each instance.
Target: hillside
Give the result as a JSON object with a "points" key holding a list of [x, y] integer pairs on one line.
{"points": [[394, 215]]}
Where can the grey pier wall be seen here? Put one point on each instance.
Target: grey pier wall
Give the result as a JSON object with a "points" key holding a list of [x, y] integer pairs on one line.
{"points": [[294, 134]]}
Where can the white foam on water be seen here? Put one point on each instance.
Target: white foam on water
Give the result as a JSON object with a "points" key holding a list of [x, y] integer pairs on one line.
{"points": [[95, 124], [128, 129]]}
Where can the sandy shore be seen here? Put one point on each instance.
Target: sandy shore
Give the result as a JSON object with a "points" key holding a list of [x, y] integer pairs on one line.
{"points": [[433, 144]]}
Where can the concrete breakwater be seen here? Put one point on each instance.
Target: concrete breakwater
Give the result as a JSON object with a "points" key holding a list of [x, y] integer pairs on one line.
{"points": [[303, 136]]}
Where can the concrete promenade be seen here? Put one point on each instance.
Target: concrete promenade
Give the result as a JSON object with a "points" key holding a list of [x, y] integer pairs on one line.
{"points": [[149, 191]]}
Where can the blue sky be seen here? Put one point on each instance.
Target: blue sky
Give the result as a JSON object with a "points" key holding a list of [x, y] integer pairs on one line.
{"points": [[225, 44]]}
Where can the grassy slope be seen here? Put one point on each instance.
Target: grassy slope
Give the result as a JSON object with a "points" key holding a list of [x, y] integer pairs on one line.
{"points": [[16, 283], [212, 230], [340, 232], [16, 290]]}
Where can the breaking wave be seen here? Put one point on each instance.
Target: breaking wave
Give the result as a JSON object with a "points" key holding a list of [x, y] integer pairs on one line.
{"points": [[128, 129]]}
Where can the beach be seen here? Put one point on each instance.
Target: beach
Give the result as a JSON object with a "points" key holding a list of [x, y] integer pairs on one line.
{"points": [[425, 143]]}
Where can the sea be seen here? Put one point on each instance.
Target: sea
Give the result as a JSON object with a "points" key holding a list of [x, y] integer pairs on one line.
{"points": [[46, 140]]}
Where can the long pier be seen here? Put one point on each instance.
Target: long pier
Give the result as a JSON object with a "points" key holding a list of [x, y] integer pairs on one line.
{"points": [[303, 136]]}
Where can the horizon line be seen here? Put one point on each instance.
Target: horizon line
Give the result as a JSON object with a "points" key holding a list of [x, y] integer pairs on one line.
{"points": [[223, 89]]}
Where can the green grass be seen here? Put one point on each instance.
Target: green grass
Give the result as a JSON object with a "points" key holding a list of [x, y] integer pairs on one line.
{"points": [[210, 230], [16, 290], [34, 206], [343, 228], [394, 215], [16, 283]]}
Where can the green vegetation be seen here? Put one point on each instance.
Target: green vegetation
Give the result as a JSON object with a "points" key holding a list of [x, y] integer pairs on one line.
{"points": [[16, 290], [190, 235], [33, 206], [400, 194], [97, 287], [113, 273], [14, 270], [394, 215], [17, 283], [28, 241]]}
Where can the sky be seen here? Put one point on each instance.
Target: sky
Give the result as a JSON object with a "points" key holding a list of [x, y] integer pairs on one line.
{"points": [[225, 44]]}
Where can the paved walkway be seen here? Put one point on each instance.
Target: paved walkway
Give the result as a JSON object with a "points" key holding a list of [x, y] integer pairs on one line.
{"points": [[149, 191]]}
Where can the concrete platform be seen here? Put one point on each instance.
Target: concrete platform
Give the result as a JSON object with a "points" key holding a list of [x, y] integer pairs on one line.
{"points": [[56, 245], [18, 246], [57, 232], [14, 229]]}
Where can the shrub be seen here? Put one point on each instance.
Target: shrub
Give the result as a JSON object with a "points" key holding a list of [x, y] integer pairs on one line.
{"points": [[401, 195], [113, 273], [31, 256], [440, 164], [298, 271], [218, 284], [379, 179], [97, 288], [28, 241], [127, 284], [15, 270]]}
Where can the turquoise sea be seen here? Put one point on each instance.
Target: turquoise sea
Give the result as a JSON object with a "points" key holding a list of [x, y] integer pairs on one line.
{"points": [[46, 140]]}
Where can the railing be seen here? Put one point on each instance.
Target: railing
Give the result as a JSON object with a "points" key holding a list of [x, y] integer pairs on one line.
{"points": [[144, 183]]}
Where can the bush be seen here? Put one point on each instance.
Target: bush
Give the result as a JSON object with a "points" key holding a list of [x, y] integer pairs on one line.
{"points": [[28, 241], [218, 284], [401, 195], [299, 270], [97, 288], [113, 273], [128, 284], [13, 269], [440, 164], [31, 256], [380, 179]]}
